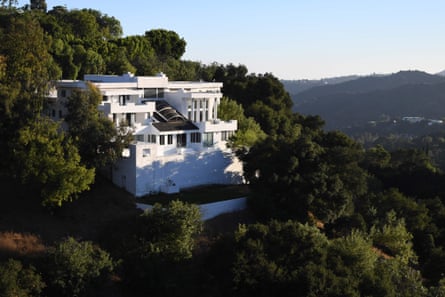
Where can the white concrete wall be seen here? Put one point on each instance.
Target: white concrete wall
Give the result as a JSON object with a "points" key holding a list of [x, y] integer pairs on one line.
{"points": [[211, 210], [188, 170], [124, 172]]}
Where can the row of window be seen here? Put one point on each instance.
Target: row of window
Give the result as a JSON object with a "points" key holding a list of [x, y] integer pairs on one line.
{"points": [[181, 139]]}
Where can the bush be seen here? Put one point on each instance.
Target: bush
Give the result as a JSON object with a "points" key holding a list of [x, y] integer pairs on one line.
{"points": [[18, 281], [75, 267]]}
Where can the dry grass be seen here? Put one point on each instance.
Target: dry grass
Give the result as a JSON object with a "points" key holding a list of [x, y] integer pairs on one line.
{"points": [[26, 227], [13, 244]]}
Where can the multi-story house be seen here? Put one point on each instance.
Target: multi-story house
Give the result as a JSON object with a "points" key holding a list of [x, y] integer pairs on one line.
{"points": [[179, 142]]}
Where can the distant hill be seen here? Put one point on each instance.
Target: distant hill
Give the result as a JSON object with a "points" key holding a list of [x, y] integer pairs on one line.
{"points": [[301, 85], [356, 102]]}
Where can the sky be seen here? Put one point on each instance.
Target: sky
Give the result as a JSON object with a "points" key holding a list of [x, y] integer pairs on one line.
{"points": [[293, 39]]}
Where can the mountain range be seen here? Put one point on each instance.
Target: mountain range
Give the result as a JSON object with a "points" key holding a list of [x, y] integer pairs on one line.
{"points": [[354, 101]]}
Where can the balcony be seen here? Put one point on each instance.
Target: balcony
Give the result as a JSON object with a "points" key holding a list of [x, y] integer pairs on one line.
{"points": [[108, 108], [217, 126]]}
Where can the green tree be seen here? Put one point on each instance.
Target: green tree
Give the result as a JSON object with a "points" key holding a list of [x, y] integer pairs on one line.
{"points": [[160, 249], [75, 268], [437, 291], [171, 230], [353, 261], [118, 62], [98, 140], [46, 160], [280, 259], [38, 5], [166, 43], [29, 71], [310, 172], [249, 132], [19, 281], [34, 151], [393, 238]]}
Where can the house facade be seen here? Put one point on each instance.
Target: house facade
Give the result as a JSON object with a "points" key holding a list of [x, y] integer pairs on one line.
{"points": [[179, 141]]}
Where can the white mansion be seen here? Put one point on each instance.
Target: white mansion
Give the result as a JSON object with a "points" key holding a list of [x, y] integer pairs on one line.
{"points": [[179, 142]]}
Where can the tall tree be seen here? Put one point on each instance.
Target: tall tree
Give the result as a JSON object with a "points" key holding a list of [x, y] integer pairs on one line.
{"points": [[47, 161], [73, 267], [98, 140], [39, 5], [166, 43], [280, 259], [249, 132], [310, 172]]}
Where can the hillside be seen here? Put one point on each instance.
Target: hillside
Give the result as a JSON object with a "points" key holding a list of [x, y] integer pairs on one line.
{"points": [[373, 98], [300, 85]]}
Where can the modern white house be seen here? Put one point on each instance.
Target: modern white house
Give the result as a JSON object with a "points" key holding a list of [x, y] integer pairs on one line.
{"points": [[179, 142]]}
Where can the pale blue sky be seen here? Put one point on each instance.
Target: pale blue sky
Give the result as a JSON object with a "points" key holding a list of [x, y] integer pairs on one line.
{"points": [[294, 39]]}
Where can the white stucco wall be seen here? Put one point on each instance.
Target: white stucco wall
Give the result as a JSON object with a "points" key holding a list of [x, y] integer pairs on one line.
{"points": [[211, 210], [188, 170], [124, 172]]}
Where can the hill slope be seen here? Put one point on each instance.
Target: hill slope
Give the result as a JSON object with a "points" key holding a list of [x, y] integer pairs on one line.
{"points": [[356, 102]]}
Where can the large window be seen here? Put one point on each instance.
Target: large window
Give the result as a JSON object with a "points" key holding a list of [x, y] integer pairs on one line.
{"points": [[130, 118], [170, 139], [225, 135], [207, 139], [195, 137], [139, 137], [123, 99], [181, 140], [150, 93], [162, 139]]}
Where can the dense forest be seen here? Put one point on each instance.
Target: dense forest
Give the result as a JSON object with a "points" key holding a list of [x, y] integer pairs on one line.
{"points": [[327, 216]]}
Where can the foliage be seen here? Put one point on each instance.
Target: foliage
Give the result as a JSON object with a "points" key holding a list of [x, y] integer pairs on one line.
{"points": [[393, 238], [353, 261], [19, 281], [171, 230], [166, 43], [44, 158], [262, 96], [76, 267], [313, 172], [96, 137], [249, 132], [160, 249], [35, 152], [279, 259]]}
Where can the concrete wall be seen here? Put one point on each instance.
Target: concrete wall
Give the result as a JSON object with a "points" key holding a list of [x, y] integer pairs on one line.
{"points": [[188, 170], [211, 210]]}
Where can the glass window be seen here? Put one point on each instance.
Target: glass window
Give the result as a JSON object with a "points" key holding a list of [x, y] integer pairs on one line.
{"points": [[225, 135], [195, 137], [150, 93], [146, 152], [170, 139], [208, 139], [181, 140], [162, 139], [139, 137]]}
